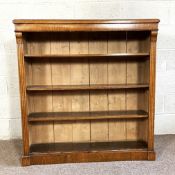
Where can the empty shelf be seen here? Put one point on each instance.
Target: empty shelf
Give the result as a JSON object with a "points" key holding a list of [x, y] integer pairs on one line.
{"points": [[89, 55], [97, 115], [84, 87], [87, 147]]}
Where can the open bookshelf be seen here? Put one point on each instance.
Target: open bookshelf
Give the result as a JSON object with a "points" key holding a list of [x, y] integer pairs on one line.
{"points": [[87, 89]]}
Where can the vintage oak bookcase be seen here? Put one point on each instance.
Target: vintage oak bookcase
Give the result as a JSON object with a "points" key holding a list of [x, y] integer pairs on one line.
{"points": [[87, 89]]}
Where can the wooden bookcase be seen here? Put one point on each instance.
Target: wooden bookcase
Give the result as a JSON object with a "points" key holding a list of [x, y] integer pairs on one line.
{"points": [[87, 89]]}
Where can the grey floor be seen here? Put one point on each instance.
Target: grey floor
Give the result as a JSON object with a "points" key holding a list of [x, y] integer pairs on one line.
{"points": [[165, 163]]}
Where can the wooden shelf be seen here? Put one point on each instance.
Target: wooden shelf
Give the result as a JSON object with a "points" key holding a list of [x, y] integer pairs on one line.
{"points": [[88, 55], [86, 147], [97, 115], [84, 87]]}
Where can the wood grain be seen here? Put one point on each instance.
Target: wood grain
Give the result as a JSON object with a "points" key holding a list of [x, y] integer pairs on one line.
{"points": [[117, 75], [100, 156], [41, 74], [152, 90], [85, 87], [90, 147], [80, 76], [61, 75], [98, 75], [112, 55], [23, 94], [99, 115], [85, 25], [136, 42]]}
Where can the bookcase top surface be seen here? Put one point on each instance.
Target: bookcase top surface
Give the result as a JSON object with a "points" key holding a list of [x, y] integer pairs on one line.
{"points": [[53, 25], [84, 21]]}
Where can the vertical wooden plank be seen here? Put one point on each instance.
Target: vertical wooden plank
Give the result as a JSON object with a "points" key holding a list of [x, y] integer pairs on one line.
{"points": [[152, 90], [79, 76], [98, 75], [62, 130], [117, 128], [137, 42], [117, 75], [41, 70], [41, 132], [28, 67], [28, 63], [143, 124], [143, 128], [23, 95], [132, 101], [61, 76], [137, 100], [135, 72], [133, 46], [41, 75]]}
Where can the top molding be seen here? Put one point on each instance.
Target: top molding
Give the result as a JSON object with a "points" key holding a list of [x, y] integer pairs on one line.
{"points": [[24, 25]]}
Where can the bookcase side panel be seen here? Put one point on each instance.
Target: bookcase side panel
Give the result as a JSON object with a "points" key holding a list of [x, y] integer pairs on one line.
{"points": [[152, 66], [20, 40]]}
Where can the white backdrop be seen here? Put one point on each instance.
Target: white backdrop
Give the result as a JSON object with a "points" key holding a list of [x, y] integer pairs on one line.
{"points": [[86, 9]]}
